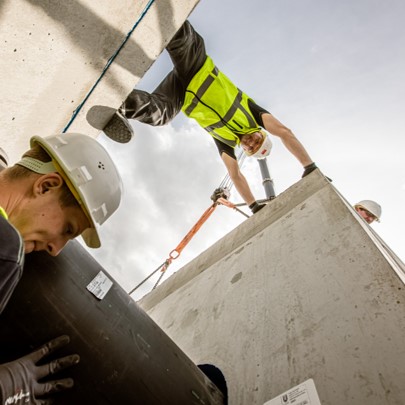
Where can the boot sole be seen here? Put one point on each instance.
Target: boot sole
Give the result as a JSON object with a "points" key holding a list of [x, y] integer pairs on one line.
{"points": [[111, 122]]}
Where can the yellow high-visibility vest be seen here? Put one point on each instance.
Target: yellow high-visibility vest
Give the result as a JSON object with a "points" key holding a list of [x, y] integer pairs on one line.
{"points": [[3, 213], [218, 105]]}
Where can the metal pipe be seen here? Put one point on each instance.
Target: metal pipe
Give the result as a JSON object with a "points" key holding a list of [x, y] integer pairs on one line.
{"points": [[267, 180]]}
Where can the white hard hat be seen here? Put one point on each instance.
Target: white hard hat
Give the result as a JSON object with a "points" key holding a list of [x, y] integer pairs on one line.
{"points": [[90, 174], [370, 206], [264, 149]]}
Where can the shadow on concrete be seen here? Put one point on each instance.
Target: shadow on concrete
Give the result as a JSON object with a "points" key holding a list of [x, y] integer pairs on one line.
{"points": [[99, 40], [1, 9]]}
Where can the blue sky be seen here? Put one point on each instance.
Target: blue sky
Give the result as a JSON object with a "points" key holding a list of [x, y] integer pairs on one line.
{"points": [[332, 71]]}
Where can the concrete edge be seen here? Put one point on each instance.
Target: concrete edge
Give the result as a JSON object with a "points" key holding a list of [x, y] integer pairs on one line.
{"points": [[396, 263], [276, 209]]}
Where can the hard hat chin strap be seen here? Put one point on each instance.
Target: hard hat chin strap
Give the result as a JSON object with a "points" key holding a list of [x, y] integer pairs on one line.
{"points": [[37, 166]]}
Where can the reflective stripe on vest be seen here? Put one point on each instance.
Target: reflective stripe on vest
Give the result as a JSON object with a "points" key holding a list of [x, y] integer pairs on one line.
{"points": [[201, 90], [3, 213], [218, 105]]}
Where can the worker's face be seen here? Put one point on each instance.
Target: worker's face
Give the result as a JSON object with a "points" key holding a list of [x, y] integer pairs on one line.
{"points": [[45, 225], [251, 142], [366, 215]]}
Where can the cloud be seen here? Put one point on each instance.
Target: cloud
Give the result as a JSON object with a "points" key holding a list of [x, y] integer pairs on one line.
{"points": [[344, 102], [169, 175]]}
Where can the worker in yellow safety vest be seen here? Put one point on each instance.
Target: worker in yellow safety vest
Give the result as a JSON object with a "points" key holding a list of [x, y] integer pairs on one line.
{"points": [[66, 185], [199, 89], [369, 210]]}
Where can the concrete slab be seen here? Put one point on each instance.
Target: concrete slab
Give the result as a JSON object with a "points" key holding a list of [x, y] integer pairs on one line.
{"points": [[304, 289], [53, 53]]}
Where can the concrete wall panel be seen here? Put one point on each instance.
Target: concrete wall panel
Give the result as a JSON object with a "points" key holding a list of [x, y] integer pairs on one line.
{"points": [[309, 295], [54, 52]]}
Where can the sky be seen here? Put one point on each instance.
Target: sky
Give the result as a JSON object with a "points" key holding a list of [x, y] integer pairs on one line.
{"points": [[332, 71]]}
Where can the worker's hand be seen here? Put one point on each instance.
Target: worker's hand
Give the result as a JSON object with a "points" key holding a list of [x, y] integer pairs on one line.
{"points": [[220, 192], [20, 379], [309, 169], [255, 207]]}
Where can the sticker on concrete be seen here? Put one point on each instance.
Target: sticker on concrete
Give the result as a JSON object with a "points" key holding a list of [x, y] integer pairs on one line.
{"points": [[303, 394], [100, 285]]}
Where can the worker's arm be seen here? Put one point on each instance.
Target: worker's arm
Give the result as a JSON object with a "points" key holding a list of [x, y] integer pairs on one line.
{"points": [[275, 127], [238, 178]]}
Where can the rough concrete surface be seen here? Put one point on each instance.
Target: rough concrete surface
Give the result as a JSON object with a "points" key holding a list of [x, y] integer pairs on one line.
{"points": [[53, 53], [304, 289]]}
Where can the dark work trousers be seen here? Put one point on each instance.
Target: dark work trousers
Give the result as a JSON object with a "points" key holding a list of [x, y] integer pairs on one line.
{"points": [[187, 52]]}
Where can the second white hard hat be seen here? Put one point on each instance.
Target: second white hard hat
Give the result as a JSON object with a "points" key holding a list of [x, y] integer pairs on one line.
{"points": [[370, 206]]}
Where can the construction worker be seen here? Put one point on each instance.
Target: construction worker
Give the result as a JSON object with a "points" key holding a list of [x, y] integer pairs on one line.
{"points": [[198, 88], [66, 185], [369, 210]]}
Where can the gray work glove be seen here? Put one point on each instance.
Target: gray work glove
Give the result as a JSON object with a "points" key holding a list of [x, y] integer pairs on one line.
{"points": [[309, 169], [20, 379], [256, 207]]}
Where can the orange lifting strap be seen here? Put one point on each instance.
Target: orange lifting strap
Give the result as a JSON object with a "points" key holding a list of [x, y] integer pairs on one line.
{"points": [[175, 253]]}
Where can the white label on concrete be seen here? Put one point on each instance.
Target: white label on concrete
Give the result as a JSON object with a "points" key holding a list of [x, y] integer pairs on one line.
{"points": [[303, 394], [100, 285]]}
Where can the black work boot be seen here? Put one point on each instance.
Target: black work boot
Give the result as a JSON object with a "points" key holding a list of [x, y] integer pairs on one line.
{"points": [[119, 129], [112, 122]]}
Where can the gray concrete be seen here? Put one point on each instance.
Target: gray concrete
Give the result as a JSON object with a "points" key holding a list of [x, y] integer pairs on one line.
{"points": [[53, 52], [304, 289]]}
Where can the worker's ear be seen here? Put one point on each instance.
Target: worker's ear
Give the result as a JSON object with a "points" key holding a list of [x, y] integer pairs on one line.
{"points": [[48, 183]]}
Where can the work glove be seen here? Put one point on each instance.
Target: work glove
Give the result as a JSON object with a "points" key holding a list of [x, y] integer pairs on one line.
{"points": [[20, 379], [309, 169], [255, 207]]}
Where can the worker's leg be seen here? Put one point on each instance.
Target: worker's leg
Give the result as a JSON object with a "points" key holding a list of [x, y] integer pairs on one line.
{"points": [[154, 108], [187, 51]]}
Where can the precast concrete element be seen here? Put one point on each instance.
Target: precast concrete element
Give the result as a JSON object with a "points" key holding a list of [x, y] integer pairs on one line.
{"points": [[54, 52], [303, 290], [125, 358]]}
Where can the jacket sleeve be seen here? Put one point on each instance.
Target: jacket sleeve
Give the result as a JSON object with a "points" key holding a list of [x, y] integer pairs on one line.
{"points": [[11, 260], [224, 148], [257, 112]]}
